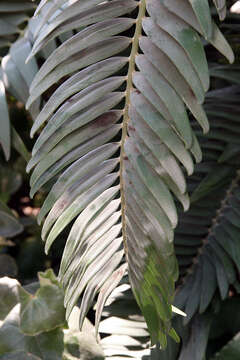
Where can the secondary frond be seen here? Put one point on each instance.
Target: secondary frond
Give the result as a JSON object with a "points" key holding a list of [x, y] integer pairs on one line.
{"points": [[207, 240]]}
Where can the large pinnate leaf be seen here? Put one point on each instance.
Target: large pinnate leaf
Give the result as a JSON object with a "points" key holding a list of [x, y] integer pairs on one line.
{"points": [[118, 141], [206, 240]]}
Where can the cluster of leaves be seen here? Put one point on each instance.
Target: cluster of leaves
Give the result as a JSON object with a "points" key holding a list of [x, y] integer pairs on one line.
{"points": [[33, 324]]}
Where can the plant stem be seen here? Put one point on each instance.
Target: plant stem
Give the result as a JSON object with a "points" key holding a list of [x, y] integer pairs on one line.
{"points": [[131, 69]]}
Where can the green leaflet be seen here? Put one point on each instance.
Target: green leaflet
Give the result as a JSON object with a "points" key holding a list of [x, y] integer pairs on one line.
{"points": [[4, 122]]}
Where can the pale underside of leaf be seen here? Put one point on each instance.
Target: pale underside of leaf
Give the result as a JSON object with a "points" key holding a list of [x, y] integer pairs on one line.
{"points": [[117, 142]]}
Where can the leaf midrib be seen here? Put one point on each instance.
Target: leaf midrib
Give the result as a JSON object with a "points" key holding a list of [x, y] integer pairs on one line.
{"points": [[131, 69]]}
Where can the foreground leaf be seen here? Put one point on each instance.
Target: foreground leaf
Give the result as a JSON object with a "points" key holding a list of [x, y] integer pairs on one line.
{"points": [[43, 311], [46, 346], [117, 141], [8, 295]]}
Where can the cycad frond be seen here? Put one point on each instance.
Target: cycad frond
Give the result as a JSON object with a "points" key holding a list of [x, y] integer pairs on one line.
{"points": [[118, 141], [207, 240]]}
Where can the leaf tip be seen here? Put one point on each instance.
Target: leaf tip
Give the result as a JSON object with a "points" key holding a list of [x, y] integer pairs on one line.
{"points": [[178, 311]]}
